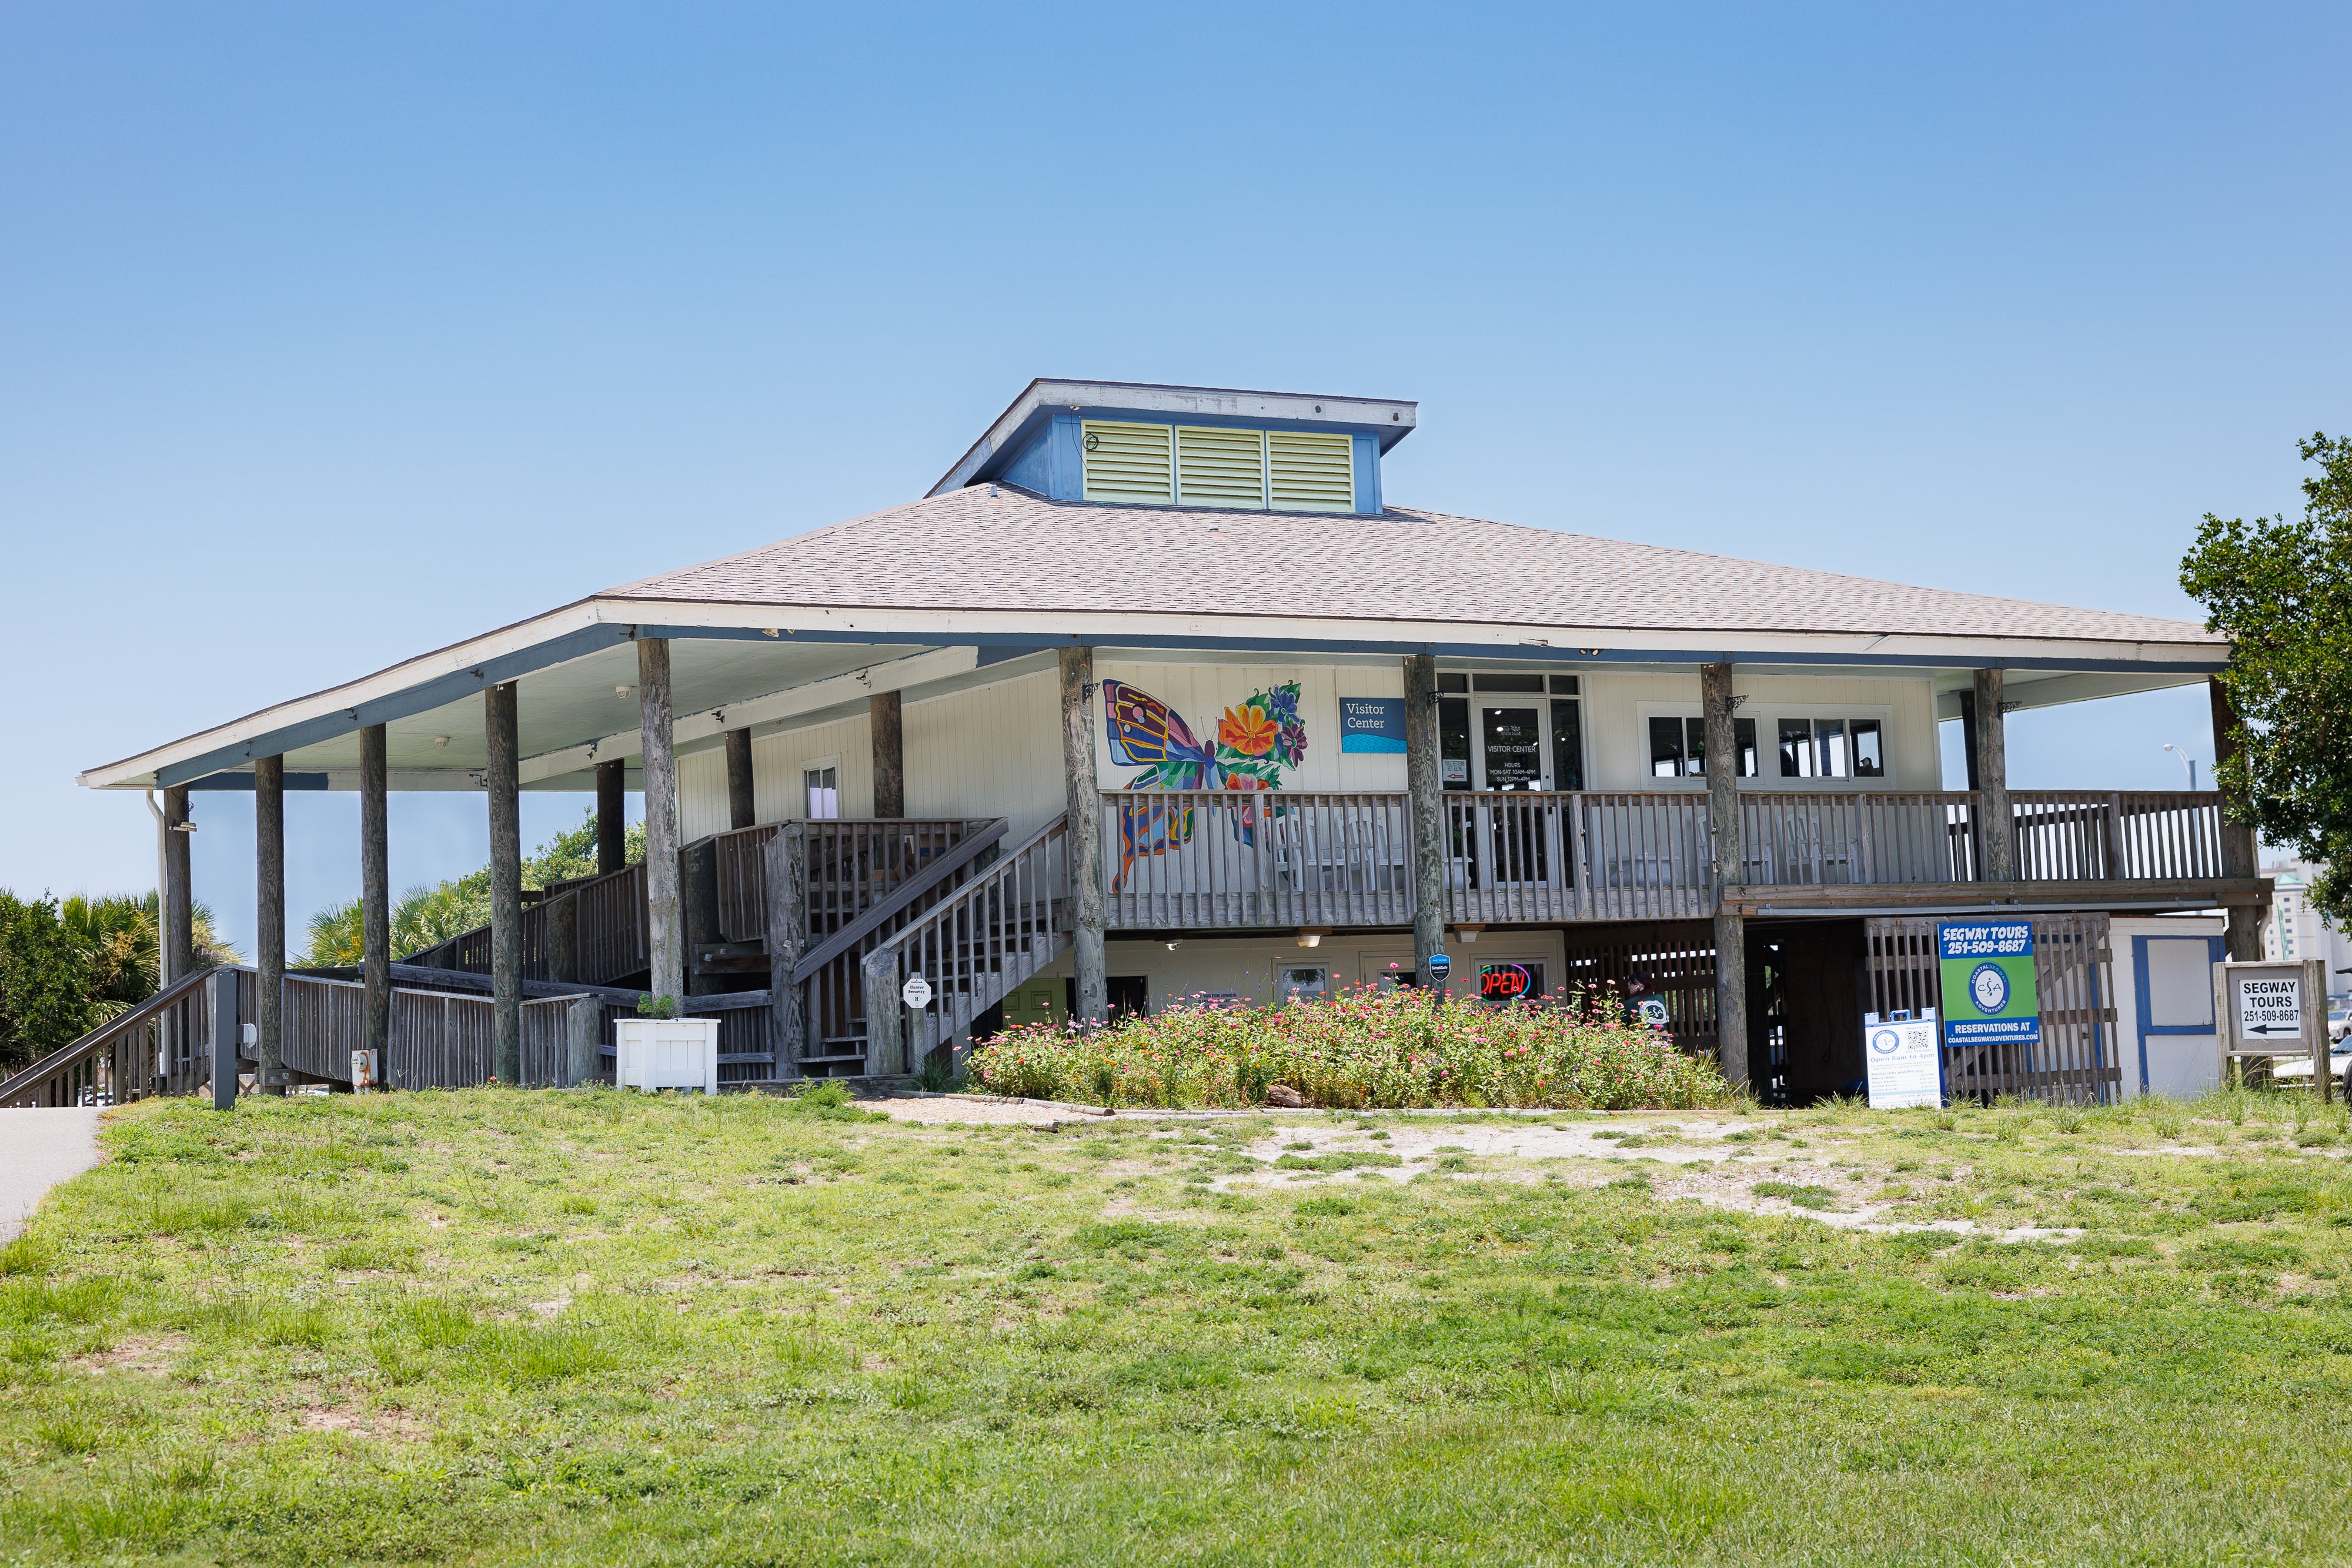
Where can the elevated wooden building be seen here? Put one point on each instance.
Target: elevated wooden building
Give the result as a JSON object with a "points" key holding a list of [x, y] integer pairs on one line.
{"points": [[1155, 694]]}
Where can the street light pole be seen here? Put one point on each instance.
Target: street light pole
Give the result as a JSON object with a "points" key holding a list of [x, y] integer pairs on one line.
{"points": [[2186, 761]]}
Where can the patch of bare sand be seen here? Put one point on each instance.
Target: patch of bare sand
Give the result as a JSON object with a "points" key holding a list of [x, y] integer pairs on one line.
{"points": [[949, 1110]]}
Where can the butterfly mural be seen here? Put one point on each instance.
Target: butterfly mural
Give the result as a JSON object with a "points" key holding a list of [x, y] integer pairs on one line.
{"points": [[1255, 740]]}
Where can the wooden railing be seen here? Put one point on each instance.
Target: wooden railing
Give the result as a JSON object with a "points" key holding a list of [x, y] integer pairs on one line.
{"points": [[1004, 924], [163, 1046], [853, 865], [1209, 859]]}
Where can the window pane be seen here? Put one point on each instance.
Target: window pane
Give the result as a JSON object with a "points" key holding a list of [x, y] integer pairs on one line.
{"points": [[1695, 748], [1869, 761], [1567, 744], [824, 794], [1743, 735], [1829, 742], [1485, 682], [1563, 686], [1446, 683], [1796, 748], [1666, 747], [1454, 742]]}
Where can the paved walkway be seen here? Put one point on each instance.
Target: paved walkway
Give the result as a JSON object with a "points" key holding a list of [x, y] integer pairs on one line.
{"points": [[39, 1149]]}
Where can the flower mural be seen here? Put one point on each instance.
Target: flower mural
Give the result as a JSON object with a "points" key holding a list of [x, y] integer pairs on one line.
{"points": [[1256, 739]]}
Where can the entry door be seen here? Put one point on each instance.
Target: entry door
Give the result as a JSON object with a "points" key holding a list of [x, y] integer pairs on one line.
{"points": [[1512, 745]]}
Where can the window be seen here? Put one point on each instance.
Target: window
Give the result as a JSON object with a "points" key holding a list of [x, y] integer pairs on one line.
{"points": [[1487, 683], [824, 785], [1832, 749], [1566, 741], [1453, 740], [1221, 468], [1678, 747], [1311, 471], [1128, 463]]}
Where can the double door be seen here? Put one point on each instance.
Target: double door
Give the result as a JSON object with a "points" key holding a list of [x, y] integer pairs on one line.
{"points": [[1492, 745]]}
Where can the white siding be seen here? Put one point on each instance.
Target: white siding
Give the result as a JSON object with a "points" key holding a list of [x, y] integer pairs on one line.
{"points": [[993, 752], [1617, 741]]}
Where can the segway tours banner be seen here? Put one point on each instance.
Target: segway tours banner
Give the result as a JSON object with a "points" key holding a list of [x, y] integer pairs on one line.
{"points": [[1990, 995]]}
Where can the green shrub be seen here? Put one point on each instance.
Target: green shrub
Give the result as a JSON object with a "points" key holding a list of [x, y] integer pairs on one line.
{"points": [[1364, 1048]]}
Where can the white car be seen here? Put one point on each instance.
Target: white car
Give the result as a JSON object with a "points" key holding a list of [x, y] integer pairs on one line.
{"points": [[2339, 1017]]}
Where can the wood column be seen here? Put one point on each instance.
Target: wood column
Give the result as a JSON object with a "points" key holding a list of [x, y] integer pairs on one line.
{"points": [[175, 904], [1998, 832], [222, 985], [1084, 832], [742, 805], [1425, 791], [2241, 855], [270, 920], [561, 936], [500, 781], [664, 931], [787, 939], [889, 754], [1730, 870], [375, 898], [611, 817]]}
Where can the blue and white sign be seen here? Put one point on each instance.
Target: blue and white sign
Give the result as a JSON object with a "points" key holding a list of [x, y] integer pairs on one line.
{"points": [[1371, 724], [1440, 966], [1900, 1057]]}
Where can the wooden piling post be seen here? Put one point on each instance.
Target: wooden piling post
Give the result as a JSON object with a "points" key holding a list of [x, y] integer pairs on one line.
{"points": [[375, 898], [699, 909], [889, 734], [1998, 832], [584, 1025], [221, 984], [664, 931], [787, 856], [1425, 789], [1718, 705], [501, 783], [743, 804], [1085, 836], [2241, 857], [611, 817], [269, 918]]}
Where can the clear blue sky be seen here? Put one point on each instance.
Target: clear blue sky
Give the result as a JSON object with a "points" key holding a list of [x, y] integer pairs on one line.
{"points": [[328, 334]]}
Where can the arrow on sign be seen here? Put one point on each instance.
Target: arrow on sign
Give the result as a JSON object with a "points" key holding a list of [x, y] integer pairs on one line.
{"points": [[2270, 1029]]}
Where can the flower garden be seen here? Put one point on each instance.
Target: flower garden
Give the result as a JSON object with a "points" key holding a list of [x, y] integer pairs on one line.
{"points": [[1368, 1048]]}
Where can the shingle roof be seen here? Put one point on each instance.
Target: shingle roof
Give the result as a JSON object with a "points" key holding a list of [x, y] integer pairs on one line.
{"points": [[999, 547]]}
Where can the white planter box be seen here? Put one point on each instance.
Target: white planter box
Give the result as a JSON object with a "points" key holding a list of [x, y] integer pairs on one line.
{"points": [[666, 1053]]}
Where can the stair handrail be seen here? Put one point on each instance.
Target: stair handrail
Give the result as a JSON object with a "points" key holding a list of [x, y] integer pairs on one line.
{"points": [[80, 1050], [941, 868], [884, 1022]]}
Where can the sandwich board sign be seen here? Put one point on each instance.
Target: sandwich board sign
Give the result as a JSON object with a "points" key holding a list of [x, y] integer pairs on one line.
{"points": [[1900, 1056], [2273, 1010], [1991, 997]]}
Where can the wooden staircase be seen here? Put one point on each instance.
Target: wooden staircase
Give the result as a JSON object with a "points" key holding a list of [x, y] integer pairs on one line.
{"points": [[1005, 923]]}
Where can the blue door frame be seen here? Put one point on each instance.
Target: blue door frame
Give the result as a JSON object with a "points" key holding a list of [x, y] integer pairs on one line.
{"points": [[2139, 996]]}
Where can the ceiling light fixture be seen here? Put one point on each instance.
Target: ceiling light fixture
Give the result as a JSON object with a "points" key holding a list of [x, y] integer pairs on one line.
{"points": [[440, 740]]}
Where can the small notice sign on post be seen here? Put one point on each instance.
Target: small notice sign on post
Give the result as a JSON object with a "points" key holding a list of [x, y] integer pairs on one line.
{"points": [[915, 993], [2273, 1010], [1901, 1059]]}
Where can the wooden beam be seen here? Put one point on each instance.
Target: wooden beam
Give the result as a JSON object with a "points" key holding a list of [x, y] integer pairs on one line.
{"points": [[221, 989], [2240, 856], [583, 1028], [1975, 898], [562, 935], [501, 784], [665, 933], [889, 754], [611, 817], [787, 853], [176, 900], [269, 919], [743, 804], [375, 899], [1968, 738], [1998, 832], [1425, 791], [698, 906], [1722, 740], [1085, 800]]}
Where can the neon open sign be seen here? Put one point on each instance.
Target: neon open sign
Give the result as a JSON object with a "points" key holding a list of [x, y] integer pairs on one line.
{"points": [[1505, 982]]}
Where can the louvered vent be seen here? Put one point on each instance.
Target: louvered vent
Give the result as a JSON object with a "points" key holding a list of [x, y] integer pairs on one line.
{"points": [[1311, 472], [1128, 463], [1221, 468]]}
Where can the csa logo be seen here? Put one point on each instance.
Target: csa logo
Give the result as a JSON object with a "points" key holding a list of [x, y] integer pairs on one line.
{"points": [[1988, 989]]}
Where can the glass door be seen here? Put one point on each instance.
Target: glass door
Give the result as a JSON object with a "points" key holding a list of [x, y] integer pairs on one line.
{"points": [[1511, 747]]}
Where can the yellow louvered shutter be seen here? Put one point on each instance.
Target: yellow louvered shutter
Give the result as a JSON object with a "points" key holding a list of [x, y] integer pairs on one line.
{"points": [[1219, 469], [1311, 471], [1128, 463]]}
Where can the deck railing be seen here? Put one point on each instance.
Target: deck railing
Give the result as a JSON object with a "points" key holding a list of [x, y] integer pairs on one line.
{"points": [[1211, 859]]}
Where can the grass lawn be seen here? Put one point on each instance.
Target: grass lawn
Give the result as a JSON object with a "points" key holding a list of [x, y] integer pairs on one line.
{"points": [[495, 1326]]}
